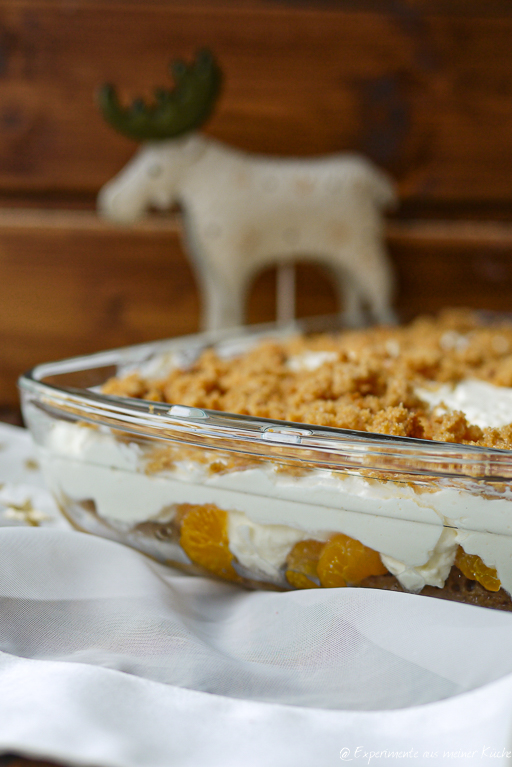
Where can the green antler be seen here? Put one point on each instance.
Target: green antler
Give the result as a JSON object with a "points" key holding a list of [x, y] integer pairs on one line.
{"points": [[174, 112]]}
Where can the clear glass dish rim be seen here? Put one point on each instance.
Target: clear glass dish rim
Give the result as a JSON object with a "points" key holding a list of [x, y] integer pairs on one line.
{"points": [[262, 437]]}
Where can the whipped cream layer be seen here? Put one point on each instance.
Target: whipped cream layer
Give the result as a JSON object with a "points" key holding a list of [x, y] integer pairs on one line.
{"points": [[415, 529], [482, 403]]}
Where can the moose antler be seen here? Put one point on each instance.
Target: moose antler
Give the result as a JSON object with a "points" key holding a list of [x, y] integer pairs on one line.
{"points": [[175, 112]]}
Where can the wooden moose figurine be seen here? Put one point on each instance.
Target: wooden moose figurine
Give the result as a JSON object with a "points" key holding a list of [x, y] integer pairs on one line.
{"points": [[242, 211]]}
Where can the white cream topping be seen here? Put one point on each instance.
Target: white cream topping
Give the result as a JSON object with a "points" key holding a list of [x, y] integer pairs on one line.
{"points": [[482, 403], [269, 512], [310, 360], [263, 548], [434, 572]]}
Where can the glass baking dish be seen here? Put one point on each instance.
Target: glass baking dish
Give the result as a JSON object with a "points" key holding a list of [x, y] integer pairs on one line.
{"points": [[268, 504]]}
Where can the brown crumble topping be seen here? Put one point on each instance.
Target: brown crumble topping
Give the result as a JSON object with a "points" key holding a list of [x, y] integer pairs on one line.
{"points": [[369, 386]]}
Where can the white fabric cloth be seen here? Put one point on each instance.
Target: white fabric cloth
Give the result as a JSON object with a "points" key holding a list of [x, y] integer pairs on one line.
{"points": [[109, 659]]}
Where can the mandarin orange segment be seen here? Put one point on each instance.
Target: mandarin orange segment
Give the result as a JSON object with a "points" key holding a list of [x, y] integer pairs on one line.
{"points": [[347, 561], [301, 564], [182, 509], [473, 568], [204, 538]]}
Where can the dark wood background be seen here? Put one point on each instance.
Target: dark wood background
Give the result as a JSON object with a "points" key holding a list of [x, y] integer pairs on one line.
{"points": [[423, 87]]}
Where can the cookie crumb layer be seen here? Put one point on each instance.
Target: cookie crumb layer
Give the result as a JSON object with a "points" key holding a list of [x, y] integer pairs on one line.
{"points": [[365, 379]]}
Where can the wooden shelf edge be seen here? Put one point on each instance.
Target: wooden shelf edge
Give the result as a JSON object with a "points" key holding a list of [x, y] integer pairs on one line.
{"points": [[435, 231]]}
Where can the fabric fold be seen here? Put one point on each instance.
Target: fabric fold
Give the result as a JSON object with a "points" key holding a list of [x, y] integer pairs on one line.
{"points": [[109, 658]]}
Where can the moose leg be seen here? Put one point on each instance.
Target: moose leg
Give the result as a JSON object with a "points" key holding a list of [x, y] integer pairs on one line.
{"points": [[222, 284], [223, 302], [353, 310], [349, 295], [372, 272]]}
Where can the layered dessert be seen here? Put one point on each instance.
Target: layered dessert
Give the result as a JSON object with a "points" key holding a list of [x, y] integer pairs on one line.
{"points": [[279, 521]]}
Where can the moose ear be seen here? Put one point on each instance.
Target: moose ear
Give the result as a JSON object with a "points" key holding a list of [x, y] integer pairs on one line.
{"points": [[174, 111]]}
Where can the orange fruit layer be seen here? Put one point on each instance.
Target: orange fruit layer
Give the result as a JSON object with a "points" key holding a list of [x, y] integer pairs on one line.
{"points": [[346, 561], [473, 568], [204, 538], [301, 564], [310, 564]]}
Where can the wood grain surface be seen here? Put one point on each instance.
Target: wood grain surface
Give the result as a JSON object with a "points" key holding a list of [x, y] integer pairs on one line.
{"points": [[423, 89]]}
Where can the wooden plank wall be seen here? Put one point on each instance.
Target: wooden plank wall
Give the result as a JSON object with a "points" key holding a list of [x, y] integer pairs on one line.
{"points": [[423, 87]]}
